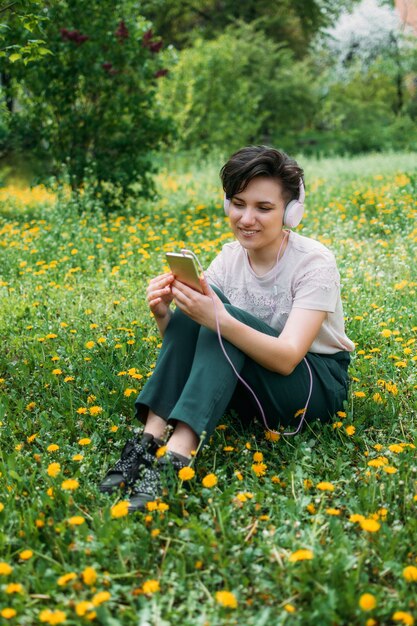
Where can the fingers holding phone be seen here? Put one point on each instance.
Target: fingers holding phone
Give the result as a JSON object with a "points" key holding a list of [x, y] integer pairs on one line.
{"points": [[159, 295]]}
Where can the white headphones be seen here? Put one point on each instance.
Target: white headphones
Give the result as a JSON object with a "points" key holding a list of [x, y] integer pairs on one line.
{"points": [[293, 211]]}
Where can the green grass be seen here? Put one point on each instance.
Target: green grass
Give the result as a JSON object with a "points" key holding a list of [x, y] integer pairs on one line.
{"points": [[68, 280]]}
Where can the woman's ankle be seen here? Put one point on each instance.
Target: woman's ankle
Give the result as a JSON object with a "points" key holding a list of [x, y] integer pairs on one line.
{"points": [[183, 441]]}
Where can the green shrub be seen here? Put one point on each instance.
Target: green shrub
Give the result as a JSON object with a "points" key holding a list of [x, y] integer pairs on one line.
{"points": [[232, 90], [90, 105]]}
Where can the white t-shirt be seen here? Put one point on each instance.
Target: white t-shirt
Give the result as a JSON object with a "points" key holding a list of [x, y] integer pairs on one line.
{"points": [[305, 277]]}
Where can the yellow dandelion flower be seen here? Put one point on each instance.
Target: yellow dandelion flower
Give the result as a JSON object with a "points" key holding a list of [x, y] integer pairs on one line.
{"points": [[57, 371], [26, 555], [66, 578], [53, 447], [333, 511], [30, 406], [129, 392], [14, 588], [82, 607], [209, 481], [301, 555], [5, 569], [350, 430], [82, 410], [90, 344], [397, 448], [53, 469], [8, 613], [272, 436], [120, 509], [259, 469], [76, 520], [100, 597], [95, 410], [150, 586], [386, 333], [52, 617], [410, 573], [89, 576], [186, 473], [380, 461], [226, 598], [389, 469], [289, 608], [84, 442], [325, 486], [162, 450], [78, 457], [359, 394], [70, 485], [367, 602], [403, 617], [370, 525], [163, 507], [258, 457]]}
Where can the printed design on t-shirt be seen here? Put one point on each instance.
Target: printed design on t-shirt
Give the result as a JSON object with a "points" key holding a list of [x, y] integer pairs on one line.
{"points": [[323, 277], [261, 304]]}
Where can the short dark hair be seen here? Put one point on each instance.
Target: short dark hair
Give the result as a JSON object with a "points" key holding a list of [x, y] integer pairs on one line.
{"points": [[253, 161]]}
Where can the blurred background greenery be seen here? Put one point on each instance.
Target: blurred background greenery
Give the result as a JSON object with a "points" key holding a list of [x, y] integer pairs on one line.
{"points": [[103, 93]]}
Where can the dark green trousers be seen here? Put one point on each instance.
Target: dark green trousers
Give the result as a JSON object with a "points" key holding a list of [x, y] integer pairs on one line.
{"points": [[194, 383]]}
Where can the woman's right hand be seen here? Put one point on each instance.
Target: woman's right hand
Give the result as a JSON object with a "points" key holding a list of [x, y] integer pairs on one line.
{"points": [[159, 294]]}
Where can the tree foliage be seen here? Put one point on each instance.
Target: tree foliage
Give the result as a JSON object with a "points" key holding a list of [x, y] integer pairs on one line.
{"points": [[91, 106], [20, 24], [293, 22], [238, 88]]}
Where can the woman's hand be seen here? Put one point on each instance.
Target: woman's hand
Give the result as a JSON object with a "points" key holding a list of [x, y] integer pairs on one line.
{"points": [[200, 307], [159, 294]]}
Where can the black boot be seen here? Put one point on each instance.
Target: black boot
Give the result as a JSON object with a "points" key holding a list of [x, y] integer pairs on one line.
{"points": [[136, 456], [163, 473]]}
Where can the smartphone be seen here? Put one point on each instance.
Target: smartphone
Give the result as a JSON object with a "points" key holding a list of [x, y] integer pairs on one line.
{"points": [[184, 267]]}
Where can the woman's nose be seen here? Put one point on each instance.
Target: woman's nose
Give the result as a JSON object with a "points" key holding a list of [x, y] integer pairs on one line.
{"points": [[248, 216]]}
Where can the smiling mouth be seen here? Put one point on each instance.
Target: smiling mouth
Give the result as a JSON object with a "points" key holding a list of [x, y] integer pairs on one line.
{"points": [[248, 232]]}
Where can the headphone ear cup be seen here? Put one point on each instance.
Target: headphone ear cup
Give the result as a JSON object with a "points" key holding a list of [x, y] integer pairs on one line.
{"points": [[293, 213], [226, 204]]}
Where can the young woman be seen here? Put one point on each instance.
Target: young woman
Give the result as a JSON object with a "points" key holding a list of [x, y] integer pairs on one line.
{"points": [[274, 295]]}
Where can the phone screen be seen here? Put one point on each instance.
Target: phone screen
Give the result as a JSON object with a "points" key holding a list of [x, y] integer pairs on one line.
{"points": [[184, 267]]}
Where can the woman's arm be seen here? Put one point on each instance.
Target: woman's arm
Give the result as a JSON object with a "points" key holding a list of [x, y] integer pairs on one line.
{"points": [[278, 354]]}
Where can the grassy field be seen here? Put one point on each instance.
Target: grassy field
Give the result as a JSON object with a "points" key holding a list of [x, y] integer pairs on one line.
{"points": [[317, 529]]}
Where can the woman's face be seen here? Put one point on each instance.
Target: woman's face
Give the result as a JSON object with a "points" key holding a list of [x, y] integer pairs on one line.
{"points": [[256, 215]]}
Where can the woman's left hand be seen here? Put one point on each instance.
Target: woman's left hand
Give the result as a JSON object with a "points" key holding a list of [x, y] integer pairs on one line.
{"points": [[198, 306]]}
